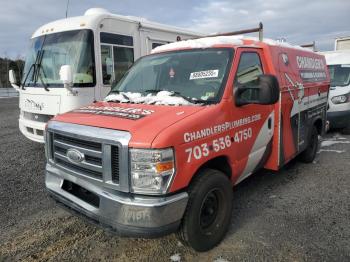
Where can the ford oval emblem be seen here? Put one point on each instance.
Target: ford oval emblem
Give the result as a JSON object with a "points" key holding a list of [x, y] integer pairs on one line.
{"points": [[74, 155]]}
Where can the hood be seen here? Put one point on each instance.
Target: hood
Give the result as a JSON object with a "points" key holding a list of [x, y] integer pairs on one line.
{"points": [[338, 90], [143, 121]]}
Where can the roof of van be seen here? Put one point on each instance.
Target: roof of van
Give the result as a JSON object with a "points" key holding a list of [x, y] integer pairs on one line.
{"points": [[237, 40], [337, 57], [92, 18]]}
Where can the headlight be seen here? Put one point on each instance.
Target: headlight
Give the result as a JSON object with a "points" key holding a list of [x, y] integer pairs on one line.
{"points": [[341, 99], [151, 170]]}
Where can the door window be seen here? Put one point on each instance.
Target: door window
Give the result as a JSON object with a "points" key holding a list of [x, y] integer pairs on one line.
{"points": [[123, 59], [116, 39], [107, 64], [117, 55], [249, 68]]}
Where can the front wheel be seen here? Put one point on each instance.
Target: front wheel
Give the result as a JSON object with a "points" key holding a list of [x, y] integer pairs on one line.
{"points": [[208, 213], [309, 154]]}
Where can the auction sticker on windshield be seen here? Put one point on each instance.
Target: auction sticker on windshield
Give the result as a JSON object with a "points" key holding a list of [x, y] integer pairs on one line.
{"points": [[204, 74]]}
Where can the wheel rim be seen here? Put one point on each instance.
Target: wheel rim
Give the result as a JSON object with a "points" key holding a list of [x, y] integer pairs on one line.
{"points": [[210, 210]]}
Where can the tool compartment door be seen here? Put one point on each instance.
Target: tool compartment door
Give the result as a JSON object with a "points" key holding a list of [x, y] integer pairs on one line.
{"points": [[294, 103]]}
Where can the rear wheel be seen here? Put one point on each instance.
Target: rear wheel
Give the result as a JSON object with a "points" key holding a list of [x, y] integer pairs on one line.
{"points": [[208, 213], [309, 153]]}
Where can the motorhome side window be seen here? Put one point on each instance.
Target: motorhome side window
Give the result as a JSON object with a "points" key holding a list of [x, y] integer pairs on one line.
{"points": [[117, 55], [249, 68]]}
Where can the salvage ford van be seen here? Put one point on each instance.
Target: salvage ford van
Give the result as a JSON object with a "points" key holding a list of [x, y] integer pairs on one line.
{"points": [[163, 150]]}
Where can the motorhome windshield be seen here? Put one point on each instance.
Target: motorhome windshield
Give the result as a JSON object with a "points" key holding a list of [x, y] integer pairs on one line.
{"points": [[340, 75], [73, 48], [195, 75]]}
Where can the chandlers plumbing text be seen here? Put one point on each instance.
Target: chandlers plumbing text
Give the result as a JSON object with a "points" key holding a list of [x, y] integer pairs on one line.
{"points": [[191, 136]]}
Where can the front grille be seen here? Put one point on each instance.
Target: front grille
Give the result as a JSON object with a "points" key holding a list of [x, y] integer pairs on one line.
{"points": [[37, 117], [78, 169], [115, 164], [79, 142], [98, 155], [91, 163]]}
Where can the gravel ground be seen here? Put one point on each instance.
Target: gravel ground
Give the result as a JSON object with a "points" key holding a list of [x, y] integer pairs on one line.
{"points": [[301, 213]]}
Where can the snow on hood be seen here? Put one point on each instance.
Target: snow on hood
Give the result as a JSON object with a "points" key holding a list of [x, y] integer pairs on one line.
{"points": [[161, 98], [204, 42]]}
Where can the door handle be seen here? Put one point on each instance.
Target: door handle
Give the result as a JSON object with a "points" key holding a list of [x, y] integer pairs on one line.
{"points": [[269, 123]]}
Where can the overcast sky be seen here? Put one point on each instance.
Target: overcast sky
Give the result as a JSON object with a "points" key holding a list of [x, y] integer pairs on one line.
{"points": [[298, 21]]}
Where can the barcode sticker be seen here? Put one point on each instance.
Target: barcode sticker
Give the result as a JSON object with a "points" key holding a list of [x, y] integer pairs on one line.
{"points": [[204, 74]]}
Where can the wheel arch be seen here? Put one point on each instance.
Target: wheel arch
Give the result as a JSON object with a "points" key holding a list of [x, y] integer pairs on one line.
{"points": [[220, 163]]}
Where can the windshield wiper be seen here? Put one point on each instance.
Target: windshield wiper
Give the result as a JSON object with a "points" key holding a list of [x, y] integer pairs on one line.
{"points": [[27, 75], [114, 91], [191, 100], [125, 96], [37, 68], [118, 100], [173, 93], [32, 67], [153, 91]]}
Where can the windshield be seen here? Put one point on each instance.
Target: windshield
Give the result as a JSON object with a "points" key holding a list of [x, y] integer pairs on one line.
{"points": [[195, 75], [73, 48], [340, 75]]}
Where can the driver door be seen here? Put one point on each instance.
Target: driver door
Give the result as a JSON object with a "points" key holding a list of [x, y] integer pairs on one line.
{"points": [[253, 136]]}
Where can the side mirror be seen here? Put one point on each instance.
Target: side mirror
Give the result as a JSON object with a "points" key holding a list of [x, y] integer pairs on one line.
{"points": [[266, 92], [66, 76], [13, 80]]}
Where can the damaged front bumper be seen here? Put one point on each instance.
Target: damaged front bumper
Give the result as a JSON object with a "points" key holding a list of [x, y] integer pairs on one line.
{"points": [[127, 214]]}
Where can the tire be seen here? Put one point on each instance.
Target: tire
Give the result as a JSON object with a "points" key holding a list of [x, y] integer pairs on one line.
{"points": [[309, 154], [208, 213]]}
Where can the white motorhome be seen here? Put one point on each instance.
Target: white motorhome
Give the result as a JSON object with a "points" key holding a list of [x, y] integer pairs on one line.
{"points": [[96, 49], [338, 112]]}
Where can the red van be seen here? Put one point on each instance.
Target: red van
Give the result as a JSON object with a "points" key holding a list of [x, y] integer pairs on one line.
{"points": [[162, 152]]}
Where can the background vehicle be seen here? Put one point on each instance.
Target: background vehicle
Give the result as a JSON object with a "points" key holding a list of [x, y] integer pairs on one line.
{"points": [[99, 47], [339, 95], [184, 125], [342, 43]]}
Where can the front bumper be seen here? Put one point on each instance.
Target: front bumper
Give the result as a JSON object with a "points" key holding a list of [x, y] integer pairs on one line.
{"points": [[339, 119], [32, 129], [128, 215]]}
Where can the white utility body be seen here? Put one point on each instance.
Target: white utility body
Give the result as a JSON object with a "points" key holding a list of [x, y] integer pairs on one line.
{"points": [[97, 47]]}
